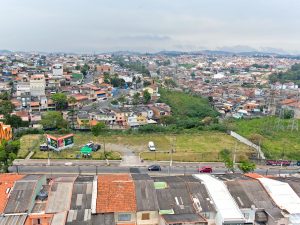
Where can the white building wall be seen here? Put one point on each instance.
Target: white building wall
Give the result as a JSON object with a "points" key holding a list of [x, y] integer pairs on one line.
{"points": [[37, 87]]}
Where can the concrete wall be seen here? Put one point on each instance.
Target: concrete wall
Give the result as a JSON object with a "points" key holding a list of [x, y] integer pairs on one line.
{"points": [[152, 221], [249, 143], [133, 218]]}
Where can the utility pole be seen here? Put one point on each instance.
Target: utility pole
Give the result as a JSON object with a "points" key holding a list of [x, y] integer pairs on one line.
{"points": [[234, 155], [171, 155]]}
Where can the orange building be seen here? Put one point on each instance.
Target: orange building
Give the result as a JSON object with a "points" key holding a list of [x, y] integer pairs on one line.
{"points": [[40, 219], [5, 132]]}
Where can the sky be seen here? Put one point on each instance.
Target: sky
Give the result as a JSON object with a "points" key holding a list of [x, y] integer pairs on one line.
{"points": [[93, 26]]}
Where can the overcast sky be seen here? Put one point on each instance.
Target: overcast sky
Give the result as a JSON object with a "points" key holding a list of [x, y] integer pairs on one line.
{"points": [[148, 25]]}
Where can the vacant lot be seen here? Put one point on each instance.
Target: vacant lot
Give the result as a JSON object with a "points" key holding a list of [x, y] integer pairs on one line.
{"points": [[204, 146], [278, 139], [32, 143]]}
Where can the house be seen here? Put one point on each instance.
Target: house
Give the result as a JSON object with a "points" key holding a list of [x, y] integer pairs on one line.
{"points": [[37, 85], [146, 200], [22, 197], [175, 203], [38, 215], [106, 68], [24, 114], [116, 194], [7, 181], [81, 99], [284, 197], [253, 200], [83, 120], [228, 211], [202, 201], [81, 204], [60, 194]]}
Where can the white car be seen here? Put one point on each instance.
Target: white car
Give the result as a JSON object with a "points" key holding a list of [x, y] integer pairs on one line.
{"points": [[151, 146]]}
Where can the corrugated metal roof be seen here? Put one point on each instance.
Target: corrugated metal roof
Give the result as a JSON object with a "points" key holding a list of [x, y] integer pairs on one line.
{"points": [[225, 205], [282, 194], [145, 195], [20, 198], [13, 220], [59, 199]]}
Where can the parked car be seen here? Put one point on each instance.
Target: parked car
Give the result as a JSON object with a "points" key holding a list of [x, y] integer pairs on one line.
{"points": [[154, 168], [44, 147], [96, 147], [205, 169], [90, 144], [151, 146]]}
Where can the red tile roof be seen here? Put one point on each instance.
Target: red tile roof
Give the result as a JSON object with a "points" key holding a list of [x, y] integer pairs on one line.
{"points": [[116, 193], [6, 183]]}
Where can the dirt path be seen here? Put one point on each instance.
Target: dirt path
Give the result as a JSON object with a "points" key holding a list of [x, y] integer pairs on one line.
{"points": [[128, 156]]}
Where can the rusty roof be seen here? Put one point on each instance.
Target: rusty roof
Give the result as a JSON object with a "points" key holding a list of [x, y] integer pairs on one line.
{"points": [[116, 193]]}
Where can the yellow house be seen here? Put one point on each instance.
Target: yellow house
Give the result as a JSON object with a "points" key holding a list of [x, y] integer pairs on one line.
{"points": [[141, 119]]}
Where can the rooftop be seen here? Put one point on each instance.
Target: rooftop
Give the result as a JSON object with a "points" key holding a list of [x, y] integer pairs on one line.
{"points": [[20, 198], [282, 194], [80, 209], [59, 199], [146, 198], [116, 193], [220, 195], [6, 183]]}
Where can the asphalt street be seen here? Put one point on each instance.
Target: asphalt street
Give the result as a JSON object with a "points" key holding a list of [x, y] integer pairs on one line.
{"points": [[101, 169]]}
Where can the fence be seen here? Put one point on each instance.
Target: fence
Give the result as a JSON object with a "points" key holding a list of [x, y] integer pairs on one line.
{"points": [[249, 143]]}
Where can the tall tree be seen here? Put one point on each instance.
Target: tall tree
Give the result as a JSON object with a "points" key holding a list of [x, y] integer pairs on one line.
{"points": [[98, 128], [136, 98], [53, 120], [60, 100], [146, 96], [15, 121]]}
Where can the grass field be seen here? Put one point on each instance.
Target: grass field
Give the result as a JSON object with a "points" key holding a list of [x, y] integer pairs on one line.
{"points": [[32, 143], [203, 146], [278, 142]]}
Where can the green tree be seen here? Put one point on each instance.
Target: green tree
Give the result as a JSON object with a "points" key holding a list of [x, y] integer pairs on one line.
{"points": [[106, 78], [15, 121], [146, 97], [8, 151], [53, 120], [225, 155], [84, 70], [6, 107], [60, 100], [5, 96], [247, 166], [98, 128], [136, 98]]}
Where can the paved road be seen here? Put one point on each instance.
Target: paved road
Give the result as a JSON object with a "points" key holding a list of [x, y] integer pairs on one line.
{"points": [[99, 169]]}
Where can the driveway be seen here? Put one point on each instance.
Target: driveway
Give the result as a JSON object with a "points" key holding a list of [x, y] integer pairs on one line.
{"points": [[128, 156]]}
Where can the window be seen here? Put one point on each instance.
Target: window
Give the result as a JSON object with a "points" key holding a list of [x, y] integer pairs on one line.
{"points": [[124, 217], [146, 216]]}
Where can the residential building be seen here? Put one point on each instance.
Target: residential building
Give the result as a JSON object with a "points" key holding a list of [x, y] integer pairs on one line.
{"points": [[146, 200], [116, 194], [37, 85]]}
